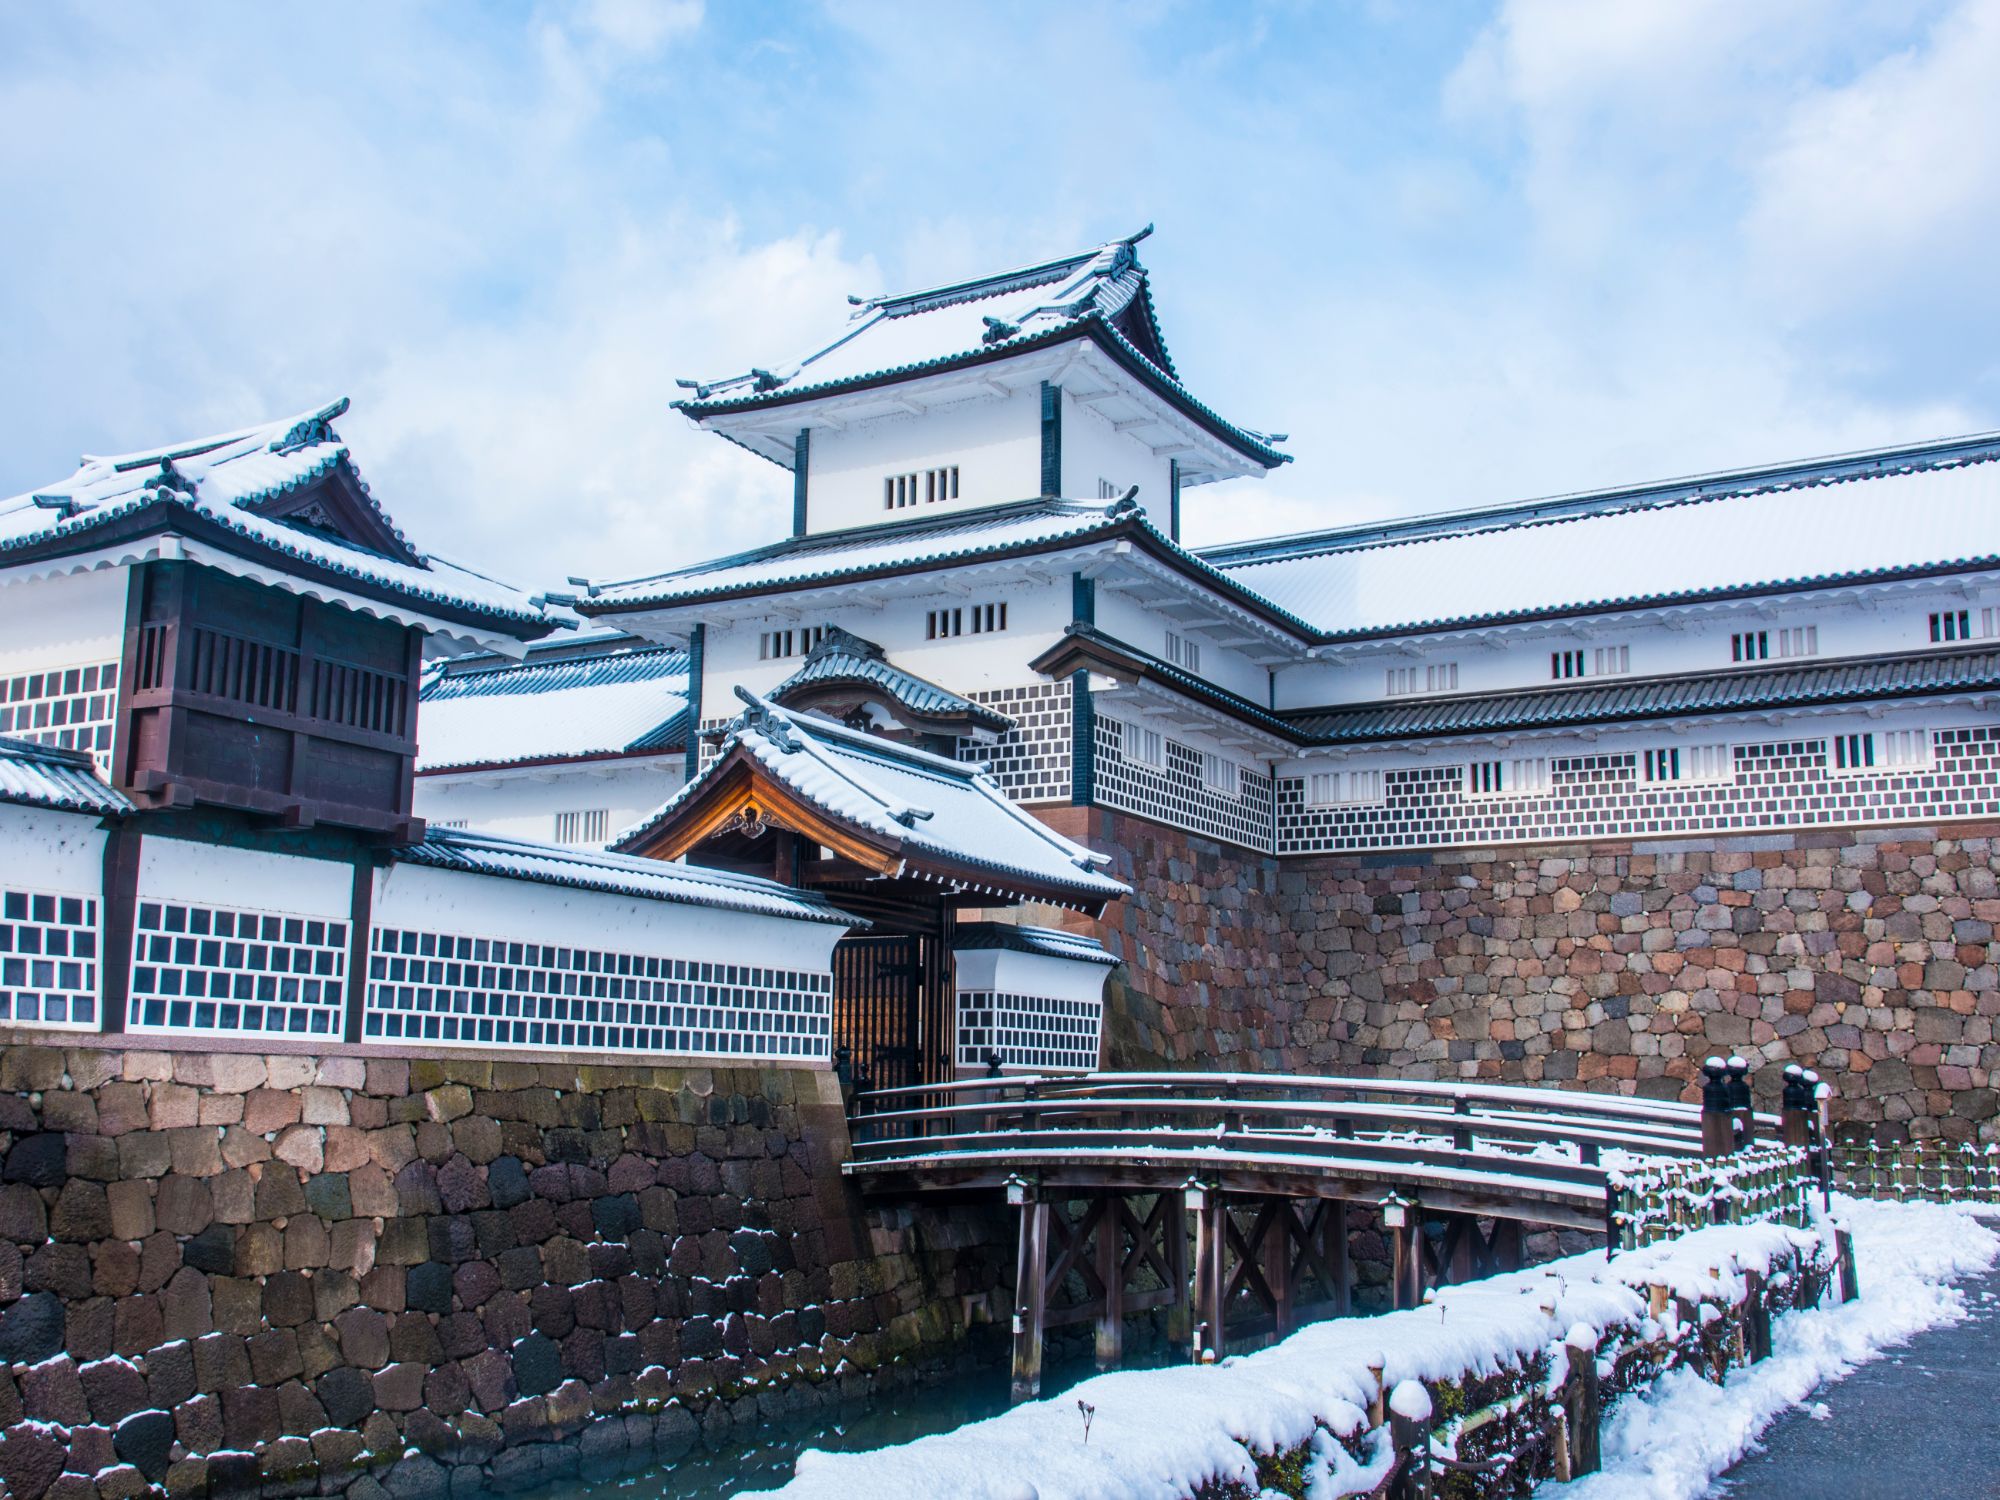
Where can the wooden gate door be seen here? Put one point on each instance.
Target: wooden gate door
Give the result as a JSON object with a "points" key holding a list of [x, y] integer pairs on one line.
{"points": [[878, 1009]]}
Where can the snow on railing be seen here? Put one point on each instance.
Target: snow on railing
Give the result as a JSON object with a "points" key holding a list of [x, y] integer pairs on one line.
{"points": [[1667, 1198]]}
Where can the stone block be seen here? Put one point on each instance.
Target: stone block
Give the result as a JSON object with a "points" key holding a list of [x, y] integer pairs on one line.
{"points": [[302, 1146], [400, 1387]]}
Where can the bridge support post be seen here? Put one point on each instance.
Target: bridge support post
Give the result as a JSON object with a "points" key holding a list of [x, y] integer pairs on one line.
{"points": [[1334, 1228], [1031, 1268], [1278, 1265], [1405, 1223], [1111, 1275], [1211, 1229], [1180, 1312]]}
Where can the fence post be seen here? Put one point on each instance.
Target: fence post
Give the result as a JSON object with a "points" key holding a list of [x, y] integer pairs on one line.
{"points": [[1797, 1106], [1716, 1136], [1850, 1278], [1740, 1102], [1581, 1403]]}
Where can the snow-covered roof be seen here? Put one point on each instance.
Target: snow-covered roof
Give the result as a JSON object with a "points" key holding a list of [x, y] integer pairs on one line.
{"points": [[623, 697], [1851, 518], [938, 819], [49, 776], [830, 558], [841, 657], [1103, 292], [615, 874], [1044, 942], [237, 485]]}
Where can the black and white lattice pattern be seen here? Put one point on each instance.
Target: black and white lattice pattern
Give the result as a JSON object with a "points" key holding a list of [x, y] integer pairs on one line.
{"points": [[1027, 1031], [1779, 784], [48, 959], [493, 992], [1175, 792], [222, 971], [68, 706], [709, 747], [1031, 761]]}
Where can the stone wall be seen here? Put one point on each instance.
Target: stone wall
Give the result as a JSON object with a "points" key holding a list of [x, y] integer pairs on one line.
{"points": [[1868, 955], [225, 1271]]}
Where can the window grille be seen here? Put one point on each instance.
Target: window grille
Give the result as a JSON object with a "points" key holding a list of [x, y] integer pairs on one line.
{"points": [[1145, 746], [226, 971], [68, 706], [1904, 749], [1106, 490], [1521, 778], [1799, 640], [1854, 752], [1661, 765], [1328, 788], [1565, 664], [1438, 677], [1953, 624], [972, 619], [778, 645], [1609, 661], [1183, 652], [1219, 773], [926, 487], [448, 822], [48, 959], [588, 825], [1750, 645]]}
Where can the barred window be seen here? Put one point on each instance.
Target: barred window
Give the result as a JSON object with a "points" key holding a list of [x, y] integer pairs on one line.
{"points": [[589, 825], [1183, 652], [926, 487]]}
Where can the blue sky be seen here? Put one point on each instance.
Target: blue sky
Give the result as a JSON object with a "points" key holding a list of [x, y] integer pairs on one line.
{"points": [[1461, 253]]}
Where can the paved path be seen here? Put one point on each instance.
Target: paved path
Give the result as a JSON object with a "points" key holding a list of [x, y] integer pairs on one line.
{"points": [[1916, 1424]]}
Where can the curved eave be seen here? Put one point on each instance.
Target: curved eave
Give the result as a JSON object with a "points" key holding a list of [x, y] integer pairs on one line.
{"points": [[1091, 325], [1084, 648], [1640, 702], [943, 716], [688, 820], [169, 514], [585, 758]]}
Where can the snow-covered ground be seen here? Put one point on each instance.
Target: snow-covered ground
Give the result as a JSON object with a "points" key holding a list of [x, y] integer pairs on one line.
{"points": [[1155, 1435], [1671, 1442]]}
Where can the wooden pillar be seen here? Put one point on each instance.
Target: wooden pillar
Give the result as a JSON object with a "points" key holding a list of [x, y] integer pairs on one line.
{"points": [[1111, 1272], [1333, 1230], [1180, 1312], [1210, 1233], [1278, 1264], [1407, 1259], [1031, 1269], [1508, 1254]]}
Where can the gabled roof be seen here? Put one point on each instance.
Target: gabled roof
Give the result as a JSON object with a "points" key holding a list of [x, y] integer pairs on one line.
{"points": [[1854, 518], [567, 701], [1628, 700], [843, 659], [895, 810], [1103, 293], [48, 776], [1025, 528], [492, 854], [258, 492]]}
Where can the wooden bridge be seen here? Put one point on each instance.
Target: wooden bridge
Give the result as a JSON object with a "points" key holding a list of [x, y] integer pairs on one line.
{"points": [[1109, 1169]]}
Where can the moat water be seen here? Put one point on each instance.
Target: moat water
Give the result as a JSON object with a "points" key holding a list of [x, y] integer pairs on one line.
{"points": [[767, 1459]]}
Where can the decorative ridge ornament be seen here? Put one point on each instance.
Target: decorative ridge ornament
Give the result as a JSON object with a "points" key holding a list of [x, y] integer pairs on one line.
{"points": [[308, 431], [767, 719]]}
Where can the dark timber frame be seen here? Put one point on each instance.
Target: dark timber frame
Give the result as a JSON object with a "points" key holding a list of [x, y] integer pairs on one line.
{"points": [[1226, 1200]]}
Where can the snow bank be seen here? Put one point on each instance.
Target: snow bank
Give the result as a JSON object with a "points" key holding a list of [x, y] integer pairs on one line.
{"points": [[1159, 1434], [1669, 1442]]}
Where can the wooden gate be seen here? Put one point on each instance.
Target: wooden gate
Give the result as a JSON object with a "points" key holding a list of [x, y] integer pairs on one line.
{"points": [[892, 1009]]}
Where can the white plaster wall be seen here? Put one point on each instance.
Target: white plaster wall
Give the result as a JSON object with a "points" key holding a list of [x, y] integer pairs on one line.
{"points": [[996, 443], [1888, 623], [1028, 974], [523, 803], [1036, 616], [412, 896], [1120, 615], [1093, 450], [250, 879], [75, 620], [42, 850]]}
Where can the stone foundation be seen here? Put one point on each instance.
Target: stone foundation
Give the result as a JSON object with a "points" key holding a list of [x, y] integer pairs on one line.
{"points": [[1867, 955], [234, 1271]]}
